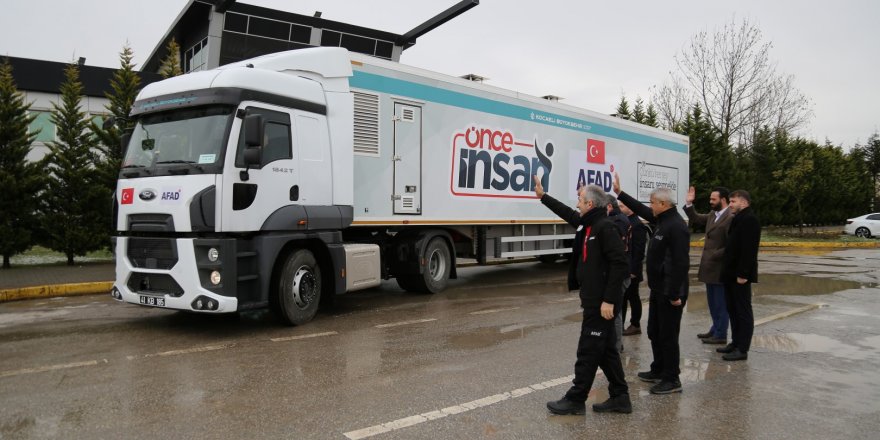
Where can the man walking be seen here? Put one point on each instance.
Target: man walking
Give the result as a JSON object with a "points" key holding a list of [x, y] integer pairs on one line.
{"points": [[739, 271], [667, 264], [637, 242], [716, 223], [597, 268]]}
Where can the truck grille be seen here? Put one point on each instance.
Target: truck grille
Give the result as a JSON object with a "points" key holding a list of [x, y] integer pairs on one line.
{"points": [[152, 253], [154, 284]]}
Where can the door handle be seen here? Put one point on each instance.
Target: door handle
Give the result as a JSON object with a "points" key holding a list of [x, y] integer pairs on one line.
{"points": [[294, 193]]}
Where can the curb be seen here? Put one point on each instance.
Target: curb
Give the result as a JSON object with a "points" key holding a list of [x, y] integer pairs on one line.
{"points": [[807, 244], [74, 289]]}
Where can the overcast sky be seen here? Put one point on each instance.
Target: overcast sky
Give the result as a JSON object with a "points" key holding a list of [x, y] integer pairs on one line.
{"points": [[588, 52]]}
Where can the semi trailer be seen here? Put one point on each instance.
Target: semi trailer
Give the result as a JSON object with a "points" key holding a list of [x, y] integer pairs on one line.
{"points": [[285, 180]]}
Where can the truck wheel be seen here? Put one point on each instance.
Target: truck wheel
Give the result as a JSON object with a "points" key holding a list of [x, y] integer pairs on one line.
{"points": [[299, 288], [438, 266]]}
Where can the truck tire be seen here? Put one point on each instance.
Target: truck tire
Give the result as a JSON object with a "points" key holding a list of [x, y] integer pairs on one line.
{"points": [[299, 288], [438, 266]]}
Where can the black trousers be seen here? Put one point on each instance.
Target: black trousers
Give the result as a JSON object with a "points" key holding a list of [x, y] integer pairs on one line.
{"points": [[631, 296], [739, 308], [664, 324], [597, 348]]}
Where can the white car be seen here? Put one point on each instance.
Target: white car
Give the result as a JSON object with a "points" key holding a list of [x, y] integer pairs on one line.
{"points": [[866, 226]]}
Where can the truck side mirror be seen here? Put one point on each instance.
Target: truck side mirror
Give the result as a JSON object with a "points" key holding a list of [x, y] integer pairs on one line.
{"points": [[253, 131], [252, 156]]}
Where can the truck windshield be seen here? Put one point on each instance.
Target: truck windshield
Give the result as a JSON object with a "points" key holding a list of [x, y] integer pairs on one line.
{"points": [[187, 141]]}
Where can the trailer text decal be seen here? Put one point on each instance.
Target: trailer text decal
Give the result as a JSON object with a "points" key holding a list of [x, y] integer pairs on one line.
{"points": [[488, 162]]}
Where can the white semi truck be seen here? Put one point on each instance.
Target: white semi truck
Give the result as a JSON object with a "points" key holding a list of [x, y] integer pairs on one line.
{"points": [[288, 179]]}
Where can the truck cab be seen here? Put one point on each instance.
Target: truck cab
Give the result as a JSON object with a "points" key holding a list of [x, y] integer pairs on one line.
{"points": [[232, 175]]}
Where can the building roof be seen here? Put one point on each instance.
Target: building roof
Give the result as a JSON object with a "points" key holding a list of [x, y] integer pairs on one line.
{"points": [[47, 76]]}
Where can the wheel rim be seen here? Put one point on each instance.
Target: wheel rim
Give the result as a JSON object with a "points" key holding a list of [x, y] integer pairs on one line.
{"points": [[861, 232], [436, 265], [305, 287]]}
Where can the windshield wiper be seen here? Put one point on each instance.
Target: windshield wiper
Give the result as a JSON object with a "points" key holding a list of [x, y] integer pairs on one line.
{"points": [[185, 162], [135, 173]]}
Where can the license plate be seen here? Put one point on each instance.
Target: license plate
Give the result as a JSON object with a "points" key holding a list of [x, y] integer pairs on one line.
{"points": [[152, 301]]}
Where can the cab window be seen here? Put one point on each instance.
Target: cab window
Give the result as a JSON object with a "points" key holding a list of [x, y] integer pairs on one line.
{"points": [[277, 143]]}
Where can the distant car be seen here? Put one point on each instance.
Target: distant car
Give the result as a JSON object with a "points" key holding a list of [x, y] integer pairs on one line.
{"points": [[866, 226]]}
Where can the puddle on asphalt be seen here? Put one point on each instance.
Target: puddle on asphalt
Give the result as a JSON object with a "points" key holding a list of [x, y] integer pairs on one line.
{"points": [[780, 284], [802, 343], [489, 336]]}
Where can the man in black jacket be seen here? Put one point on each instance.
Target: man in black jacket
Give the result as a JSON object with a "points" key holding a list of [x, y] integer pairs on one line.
{"points": [[739, 271], [637, 242], [598, 268], [667, 264]]}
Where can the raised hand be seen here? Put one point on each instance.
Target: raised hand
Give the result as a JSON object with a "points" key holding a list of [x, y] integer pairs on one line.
{"points": [[691, 196], [539, 189], [615, 186]]}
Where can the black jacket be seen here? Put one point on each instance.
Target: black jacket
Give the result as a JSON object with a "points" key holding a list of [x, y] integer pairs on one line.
{"points": [[637, 246], [741, 251], [599, 278], [667, 261]]}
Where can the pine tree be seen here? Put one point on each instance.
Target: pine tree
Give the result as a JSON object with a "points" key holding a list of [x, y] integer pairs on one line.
{"points": [[623, 108], [710, 158], [72, 205], [20, 180], [638, 113], [651, 116], [125, 85], [170, 65]]}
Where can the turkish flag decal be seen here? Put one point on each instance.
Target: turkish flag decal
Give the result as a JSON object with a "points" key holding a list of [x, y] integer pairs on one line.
{"points": [[127, 196], [595, 151]]}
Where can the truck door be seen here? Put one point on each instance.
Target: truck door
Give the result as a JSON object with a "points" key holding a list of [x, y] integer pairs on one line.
{"points": [[271, 185], [407, 159]]}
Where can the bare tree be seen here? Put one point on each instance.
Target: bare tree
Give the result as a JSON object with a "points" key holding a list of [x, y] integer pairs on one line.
{"points": [[730, 74], [673, 101]]}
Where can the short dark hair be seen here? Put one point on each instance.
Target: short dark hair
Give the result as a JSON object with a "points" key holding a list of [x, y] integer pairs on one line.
{"points": [[723, 192], [742, 194]]}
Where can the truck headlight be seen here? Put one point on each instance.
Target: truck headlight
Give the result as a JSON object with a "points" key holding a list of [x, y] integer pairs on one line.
{"points": [[213, 254], [215, 278]]}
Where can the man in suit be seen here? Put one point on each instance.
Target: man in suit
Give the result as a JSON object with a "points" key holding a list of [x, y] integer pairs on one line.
{"points": [[739, 271], [716, 223], [667, 263]]}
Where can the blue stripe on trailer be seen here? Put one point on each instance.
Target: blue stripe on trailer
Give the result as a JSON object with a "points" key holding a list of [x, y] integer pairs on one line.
{"points": [[384, 84]]}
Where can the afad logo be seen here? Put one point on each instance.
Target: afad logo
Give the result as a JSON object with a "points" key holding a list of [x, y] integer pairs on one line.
{"points": [[590, 167], [490, 162]]}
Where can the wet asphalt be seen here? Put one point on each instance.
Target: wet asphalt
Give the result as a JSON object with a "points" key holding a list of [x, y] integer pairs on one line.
{"points": [[479, 360]]}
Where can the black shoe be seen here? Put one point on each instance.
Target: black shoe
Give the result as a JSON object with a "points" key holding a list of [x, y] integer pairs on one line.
{"points": [[619, 404], [704, 335], [666, 387], [632, 330], [735, 355], [565, 407], [649, 376], [726, 349], [714, 340]]}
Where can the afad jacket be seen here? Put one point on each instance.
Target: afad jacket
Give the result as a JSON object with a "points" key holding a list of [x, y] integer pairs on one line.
{"points": [[667, 260], [598, 264]]}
